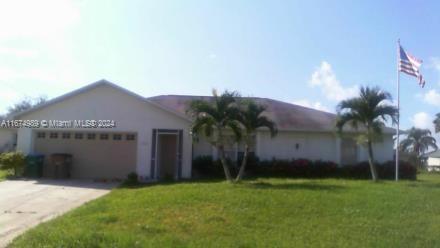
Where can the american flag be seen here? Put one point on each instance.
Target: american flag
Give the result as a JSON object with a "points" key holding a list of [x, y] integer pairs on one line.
{"points": [[410, 65]]}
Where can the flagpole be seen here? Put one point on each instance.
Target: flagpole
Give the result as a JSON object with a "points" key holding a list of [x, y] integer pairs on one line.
{"points": [[398, 111]]}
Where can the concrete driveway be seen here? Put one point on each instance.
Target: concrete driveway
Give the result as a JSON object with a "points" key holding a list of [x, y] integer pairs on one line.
{"points": [[26, 203]]}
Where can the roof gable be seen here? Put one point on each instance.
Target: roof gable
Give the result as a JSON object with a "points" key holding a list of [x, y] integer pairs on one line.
{"points": [[92, 86]]}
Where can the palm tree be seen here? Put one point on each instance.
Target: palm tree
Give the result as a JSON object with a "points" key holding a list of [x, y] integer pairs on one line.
{"points": [[437, 123], [370, 112], [417, 142], [251, 119], [217, 120]]}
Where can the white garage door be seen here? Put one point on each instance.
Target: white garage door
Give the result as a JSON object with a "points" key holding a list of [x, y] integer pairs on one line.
{"points": [[96, 155]]}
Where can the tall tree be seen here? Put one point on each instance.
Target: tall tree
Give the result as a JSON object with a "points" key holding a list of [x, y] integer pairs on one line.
{"points": [[367, 113], [437, 122], [251, 117], [217, 120], [23, 105], [417, 142]]}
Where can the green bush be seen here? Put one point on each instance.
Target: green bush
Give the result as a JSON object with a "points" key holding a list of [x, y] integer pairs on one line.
{"points": [[305, 168], [12, 161], [132, 179], [206, 166]]}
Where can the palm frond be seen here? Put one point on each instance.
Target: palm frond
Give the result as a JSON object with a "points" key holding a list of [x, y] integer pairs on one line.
{"points": [[385, 112], [263, 121], [437, 123], [418, 141], [236, 129], [369, 109], [251, 117]]}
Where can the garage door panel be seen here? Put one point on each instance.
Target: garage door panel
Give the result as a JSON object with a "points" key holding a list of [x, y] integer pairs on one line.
{"points": [[95, 158]]}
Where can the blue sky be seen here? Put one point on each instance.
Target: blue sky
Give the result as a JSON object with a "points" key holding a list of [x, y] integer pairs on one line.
{"points": [[313, 53]]}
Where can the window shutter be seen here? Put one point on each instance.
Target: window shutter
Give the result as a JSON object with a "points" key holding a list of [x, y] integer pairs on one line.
{"points": [[153, 154], [179, 155]]}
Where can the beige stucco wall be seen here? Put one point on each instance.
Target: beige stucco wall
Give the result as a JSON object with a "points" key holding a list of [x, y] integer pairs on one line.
{"points": [[311, 145], [130, 113], [314, 146], [202, 148], [7, 139], [382, 151]]}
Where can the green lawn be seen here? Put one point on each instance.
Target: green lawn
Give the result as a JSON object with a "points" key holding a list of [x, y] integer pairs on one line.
{"points": [[4, 174], [257, 213]]}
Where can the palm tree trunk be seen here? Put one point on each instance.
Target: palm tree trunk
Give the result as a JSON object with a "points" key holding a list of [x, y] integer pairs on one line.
{"points": [[243, 163], [371, 161], [224, 163]]}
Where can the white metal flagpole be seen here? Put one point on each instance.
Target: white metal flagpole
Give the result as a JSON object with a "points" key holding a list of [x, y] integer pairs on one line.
{"points": [[398, 110]]}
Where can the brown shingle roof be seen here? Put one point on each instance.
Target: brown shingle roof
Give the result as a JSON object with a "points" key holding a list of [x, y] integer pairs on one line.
{"points": [[287, 116]]}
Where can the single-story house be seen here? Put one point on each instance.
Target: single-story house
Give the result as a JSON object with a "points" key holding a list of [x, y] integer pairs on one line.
{"points": [[111, 132], [433, 160]]}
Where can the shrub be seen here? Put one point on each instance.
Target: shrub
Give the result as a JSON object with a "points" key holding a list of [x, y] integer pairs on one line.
{"points": [[296, 168], [132, 179], [406, 170], [206, 166], [306, 168], [12, 161], [360, 170]]}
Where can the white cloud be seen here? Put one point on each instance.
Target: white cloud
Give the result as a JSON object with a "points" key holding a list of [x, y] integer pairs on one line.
{"points": [[435, 63], [314, 105], [425, 121], [212, 56], [325, 78], [9, 95], [44, 18], [422, 120], [432, 97], [17, 52], [32, 28]]}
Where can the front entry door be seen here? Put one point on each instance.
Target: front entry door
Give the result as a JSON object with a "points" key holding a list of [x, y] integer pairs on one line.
{"points": [[167, 159], [166, 154]]}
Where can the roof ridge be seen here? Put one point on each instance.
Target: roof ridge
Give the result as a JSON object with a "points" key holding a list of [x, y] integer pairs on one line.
{"points": [[301, 106]]}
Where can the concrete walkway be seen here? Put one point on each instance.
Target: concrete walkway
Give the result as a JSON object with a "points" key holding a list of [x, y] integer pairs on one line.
{"points": [[26, 203]]}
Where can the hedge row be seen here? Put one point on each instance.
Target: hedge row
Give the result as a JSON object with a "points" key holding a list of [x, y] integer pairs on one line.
{"points": [[204, 166]]}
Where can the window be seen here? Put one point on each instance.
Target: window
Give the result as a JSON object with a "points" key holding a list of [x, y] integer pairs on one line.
{"points": [[104, 136], [130, 137], [66, 135], [117, 137], [53, 135], [41, 135], [78, 136], [91, 136]]}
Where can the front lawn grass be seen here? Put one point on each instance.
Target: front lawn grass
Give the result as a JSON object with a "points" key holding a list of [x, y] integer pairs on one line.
{"points": [[255, 213], [4, 174]]}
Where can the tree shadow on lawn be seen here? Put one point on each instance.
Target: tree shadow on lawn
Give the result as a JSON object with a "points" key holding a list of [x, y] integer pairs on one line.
{"points": [[170, 183], [424, 184], [245, 183], [294, 185]]}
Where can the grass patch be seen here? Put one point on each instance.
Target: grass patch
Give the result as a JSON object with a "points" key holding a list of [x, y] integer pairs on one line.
{"points": [[4, 174], [256, 213]]}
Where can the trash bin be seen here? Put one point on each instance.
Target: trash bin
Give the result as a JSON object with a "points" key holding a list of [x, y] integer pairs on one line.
{"points": [[34, 165], [61, 164]]}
